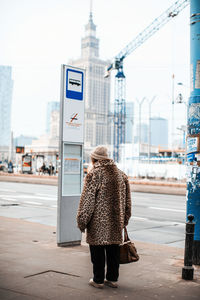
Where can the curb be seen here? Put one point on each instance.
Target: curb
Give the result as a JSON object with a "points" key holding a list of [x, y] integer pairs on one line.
{"points": [[144, 186]]}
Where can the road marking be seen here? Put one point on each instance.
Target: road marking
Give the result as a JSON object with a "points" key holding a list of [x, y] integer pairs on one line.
{"points": [[168, 223], [54, 206], [45, 198], [9, 199], [28, 197], [5, 190], [139, 218], [167, 209], [179, 223], [35, 197], [49, 195], [31, 202], [6, 196]]}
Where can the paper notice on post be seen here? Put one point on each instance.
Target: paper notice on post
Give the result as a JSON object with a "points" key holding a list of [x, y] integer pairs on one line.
{"points": [[71, 165]]}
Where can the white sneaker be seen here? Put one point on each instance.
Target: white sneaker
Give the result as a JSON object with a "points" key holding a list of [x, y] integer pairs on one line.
{"points": [[96, 285], [111, 284]]}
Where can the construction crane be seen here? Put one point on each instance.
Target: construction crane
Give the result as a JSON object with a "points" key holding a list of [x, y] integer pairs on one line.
{"points": [[120, 89]]}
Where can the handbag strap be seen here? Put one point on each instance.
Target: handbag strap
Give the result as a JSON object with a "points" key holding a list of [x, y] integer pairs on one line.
{"points": [[126, 237]]}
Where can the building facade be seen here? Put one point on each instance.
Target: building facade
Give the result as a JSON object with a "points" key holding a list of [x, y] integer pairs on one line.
{"points": [[51, 107], [54, 124], [22, 140], [6, 90], [144, 133], [159, 132], [98, 118]]}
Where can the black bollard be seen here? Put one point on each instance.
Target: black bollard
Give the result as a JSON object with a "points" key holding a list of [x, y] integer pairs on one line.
{"points": [[188, 270]]}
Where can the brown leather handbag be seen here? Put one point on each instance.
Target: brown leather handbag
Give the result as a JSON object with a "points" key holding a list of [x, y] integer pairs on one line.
{"points": [[128, 251]]}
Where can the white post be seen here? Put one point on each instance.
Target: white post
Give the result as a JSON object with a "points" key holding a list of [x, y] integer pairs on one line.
{"points": [[70, 153]]}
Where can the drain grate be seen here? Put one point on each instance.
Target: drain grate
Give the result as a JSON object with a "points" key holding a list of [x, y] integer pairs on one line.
{"points": [[53, 271]]}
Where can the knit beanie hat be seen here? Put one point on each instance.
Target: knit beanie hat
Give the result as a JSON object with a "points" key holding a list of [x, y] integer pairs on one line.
{"points": [[100, 152]]}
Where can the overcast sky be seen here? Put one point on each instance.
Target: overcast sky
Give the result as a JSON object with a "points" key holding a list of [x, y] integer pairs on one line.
{"points": [[37, 36]]}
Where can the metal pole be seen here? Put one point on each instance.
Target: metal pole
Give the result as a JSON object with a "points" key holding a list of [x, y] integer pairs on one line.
{"points": [[173, 114], [149, 140], [188, 270], [139, 137], [119, 113], [193, 128], [140, 110]]}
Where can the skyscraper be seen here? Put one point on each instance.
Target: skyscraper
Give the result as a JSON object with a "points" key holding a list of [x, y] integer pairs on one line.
{"points": [[97, 101], [159, 132], [51, 107], [54, 126], [6, 89], [144, 133]]}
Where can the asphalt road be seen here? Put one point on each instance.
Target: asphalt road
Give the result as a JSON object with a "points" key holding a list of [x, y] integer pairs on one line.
{"points": [[157, 218]]}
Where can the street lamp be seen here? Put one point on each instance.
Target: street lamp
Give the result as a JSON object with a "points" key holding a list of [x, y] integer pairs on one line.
{"points": [[178, 100], [180, 83]]}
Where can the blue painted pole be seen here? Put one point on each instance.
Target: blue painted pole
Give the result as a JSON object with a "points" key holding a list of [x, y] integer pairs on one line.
{"points": [[193, 128]]}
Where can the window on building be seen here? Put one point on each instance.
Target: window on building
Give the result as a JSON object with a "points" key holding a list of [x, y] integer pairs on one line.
{"points": [[100, 136], [89, 132]]}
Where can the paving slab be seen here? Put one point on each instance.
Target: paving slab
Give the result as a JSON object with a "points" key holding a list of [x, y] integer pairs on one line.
{"points": [[33, 267]]}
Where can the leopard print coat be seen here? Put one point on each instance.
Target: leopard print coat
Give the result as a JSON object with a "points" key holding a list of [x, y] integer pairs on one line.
{"points": [[105, 204]]}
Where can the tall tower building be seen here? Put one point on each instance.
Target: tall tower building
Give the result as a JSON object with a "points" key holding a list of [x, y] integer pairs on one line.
{"points": [[97, 101], [144, 133], [51, 107], [159, 132], [54, 126], [6, 89]]}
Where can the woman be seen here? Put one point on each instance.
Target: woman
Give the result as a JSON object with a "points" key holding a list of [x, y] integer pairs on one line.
{"points": [[104, 210]]}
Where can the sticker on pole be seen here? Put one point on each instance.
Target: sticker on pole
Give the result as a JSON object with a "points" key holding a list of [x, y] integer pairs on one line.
{"points": [[190, 157], [74, 84], [192, 144]]}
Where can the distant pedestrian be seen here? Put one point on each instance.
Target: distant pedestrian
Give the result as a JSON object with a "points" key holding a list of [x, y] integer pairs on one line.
{"points": [[43, 168], [50, 169], [104, 210], [10, 167]]}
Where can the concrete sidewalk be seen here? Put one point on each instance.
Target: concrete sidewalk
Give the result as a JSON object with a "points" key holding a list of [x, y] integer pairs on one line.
{"points": [[33, 267]]}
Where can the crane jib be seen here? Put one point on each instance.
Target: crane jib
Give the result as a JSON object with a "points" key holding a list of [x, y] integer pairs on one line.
{"points": [[120, 107], [159, 22]]}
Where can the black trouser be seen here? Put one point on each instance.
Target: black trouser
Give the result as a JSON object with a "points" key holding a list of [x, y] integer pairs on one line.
{"points": [[98, 260]]}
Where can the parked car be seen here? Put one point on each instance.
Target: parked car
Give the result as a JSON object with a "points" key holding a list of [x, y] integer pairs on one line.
{"points": [[3, 166]]}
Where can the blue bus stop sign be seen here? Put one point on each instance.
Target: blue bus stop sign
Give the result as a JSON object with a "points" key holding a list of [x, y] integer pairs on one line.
{"points": [[74, 84]]}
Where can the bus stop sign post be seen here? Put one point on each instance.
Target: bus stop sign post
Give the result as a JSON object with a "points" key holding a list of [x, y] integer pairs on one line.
{"points": [[70, 175]]}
